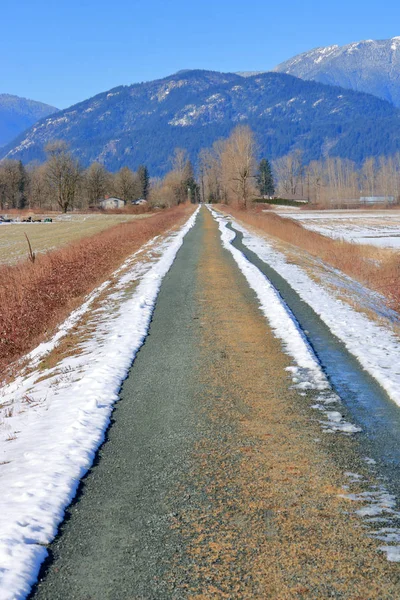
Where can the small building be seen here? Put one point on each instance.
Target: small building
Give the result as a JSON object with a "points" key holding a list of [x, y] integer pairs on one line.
{"points": [[110, 203]]}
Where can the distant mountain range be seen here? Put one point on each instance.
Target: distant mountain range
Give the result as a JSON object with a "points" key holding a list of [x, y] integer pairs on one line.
{"points": [[17, 114], [143, 123], [371, 66]]}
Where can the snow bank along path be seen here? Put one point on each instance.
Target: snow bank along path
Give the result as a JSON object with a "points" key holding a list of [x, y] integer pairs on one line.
{"points": [[308, 373], [50, 429], [377, 348]]}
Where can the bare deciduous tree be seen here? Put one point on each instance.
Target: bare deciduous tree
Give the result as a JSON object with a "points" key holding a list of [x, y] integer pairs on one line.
{"points": [[96, 182], [39, 193], [126, 185], [210, 175], [289, 172], [238, 161], [63, 173], [338, 181], [13, 184]]}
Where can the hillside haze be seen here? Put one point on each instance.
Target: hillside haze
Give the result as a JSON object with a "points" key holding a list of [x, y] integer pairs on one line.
{"points": [[371, 66], [17, 114], [143, 123]]}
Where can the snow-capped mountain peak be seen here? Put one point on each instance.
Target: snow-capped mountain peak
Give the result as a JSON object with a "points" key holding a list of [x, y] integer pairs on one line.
{"points": [[371, 66]]}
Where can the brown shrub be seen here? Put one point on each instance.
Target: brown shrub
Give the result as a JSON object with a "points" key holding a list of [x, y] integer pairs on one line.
{"points": [[34, 298], [129, 209]]}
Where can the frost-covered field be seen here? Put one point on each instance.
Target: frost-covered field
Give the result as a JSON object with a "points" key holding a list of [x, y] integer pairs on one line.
{"points": [[54, 415], [47, 236], [362, 227]]}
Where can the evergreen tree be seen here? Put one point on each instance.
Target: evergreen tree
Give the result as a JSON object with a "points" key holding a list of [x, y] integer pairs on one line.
{"points": [[265, 180], [144, 181], [189, 184], [22, 184]]}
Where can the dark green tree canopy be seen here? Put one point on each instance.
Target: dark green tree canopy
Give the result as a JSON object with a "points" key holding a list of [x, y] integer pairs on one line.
{"points": [[189, 183], [265, 179], [144, 181]]}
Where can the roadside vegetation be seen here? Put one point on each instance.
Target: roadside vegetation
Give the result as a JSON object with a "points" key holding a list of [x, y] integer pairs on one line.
{"points": [[36, 296]]}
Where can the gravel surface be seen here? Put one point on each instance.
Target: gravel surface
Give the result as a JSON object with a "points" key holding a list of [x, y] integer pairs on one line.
{"points": [[213, 481]]}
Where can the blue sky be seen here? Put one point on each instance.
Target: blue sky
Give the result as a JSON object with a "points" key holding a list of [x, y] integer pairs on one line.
{"points": [[64, 52]]}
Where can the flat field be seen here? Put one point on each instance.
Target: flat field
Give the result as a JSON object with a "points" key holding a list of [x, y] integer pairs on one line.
{"points": [[378, 228], [47, 236]]}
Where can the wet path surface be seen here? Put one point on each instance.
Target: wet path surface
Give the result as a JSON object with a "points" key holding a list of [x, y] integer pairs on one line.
{"points": [[368, 404], [213, 481]]}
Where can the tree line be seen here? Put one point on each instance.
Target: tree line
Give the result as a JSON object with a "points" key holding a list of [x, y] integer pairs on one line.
{"points": [[337, 180], [62, 184], [228, 172]]}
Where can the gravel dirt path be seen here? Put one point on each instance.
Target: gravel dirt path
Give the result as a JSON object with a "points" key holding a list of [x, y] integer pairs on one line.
{"points": [[212, 482]]}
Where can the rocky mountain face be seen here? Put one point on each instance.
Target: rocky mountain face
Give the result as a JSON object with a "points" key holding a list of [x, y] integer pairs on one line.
{"points": [[371, 66], [144, 123], [17, 114]]}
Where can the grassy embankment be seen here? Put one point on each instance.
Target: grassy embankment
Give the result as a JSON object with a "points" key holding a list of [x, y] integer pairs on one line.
{"points": [[35, 298], [377, 268]]}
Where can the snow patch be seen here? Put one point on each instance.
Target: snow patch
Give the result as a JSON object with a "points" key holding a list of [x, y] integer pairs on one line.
{"points": [[306, 373], [377, 348]]}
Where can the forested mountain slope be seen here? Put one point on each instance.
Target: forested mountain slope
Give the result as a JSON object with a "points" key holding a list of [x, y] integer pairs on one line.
{"points": [[371, 66], [143, 123], [17, 114]]}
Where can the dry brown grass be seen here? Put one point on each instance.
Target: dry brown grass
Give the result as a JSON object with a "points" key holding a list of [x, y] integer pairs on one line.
{"points": [[49, 236], [378, 268], [130, 209], [34, 298]]}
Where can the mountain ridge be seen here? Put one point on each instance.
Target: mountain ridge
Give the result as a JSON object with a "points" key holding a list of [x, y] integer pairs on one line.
{"points": [[17, 114], [371, 66], [144, 122]]}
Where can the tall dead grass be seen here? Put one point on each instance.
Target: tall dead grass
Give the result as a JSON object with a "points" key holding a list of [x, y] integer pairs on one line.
{"points": [[377, 268], [34, 298]]}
